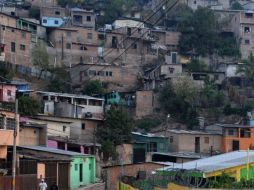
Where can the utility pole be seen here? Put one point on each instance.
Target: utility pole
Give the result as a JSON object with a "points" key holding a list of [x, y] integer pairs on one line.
{"points": [[14, 159]]}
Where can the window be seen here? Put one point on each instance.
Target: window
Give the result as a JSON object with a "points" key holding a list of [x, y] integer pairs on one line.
{"points": [[173, 56], [171, 70], [206, 140], [34, 131], [89, 36], [152, 147], [3, 27], [77, 19], [57, 12], [110, 73], [129, 31], [195, 2], [76, 167], [13, 46], [12, 30], [22, 47], [88, 18], [83, 126], [23, 35], [56, 22], [248, 15], [171, 139], [134, 46], [246, 41], [64, 128], [68, 34], [232, 132], [44, 21], [92, 73], [68, 45], [245, 133], [246, 29], [9, 92]]}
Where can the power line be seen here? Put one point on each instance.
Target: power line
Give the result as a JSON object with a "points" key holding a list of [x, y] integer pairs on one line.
{"points": [[137, 39]]}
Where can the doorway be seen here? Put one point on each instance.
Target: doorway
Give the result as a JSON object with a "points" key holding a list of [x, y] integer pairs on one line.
{"points": [[197, 144]]}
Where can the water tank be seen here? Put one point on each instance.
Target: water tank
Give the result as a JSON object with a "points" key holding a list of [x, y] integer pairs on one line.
{"points": [[100, 51]]}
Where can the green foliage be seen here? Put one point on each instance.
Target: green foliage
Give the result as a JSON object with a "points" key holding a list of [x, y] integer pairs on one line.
{"points": [[227, 182], [247, 67], [108, 149], [196, 66], [28, 106], [116, 130], [4, 72], [179, 101], [40, 57], [210, 95], [61, 81], [147, 124], [200, 34], [34, 12], [115, 9], [241, 111], [235, 5], [93, 87]]}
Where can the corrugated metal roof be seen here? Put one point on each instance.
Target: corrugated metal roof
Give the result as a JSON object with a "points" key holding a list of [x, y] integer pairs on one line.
{"points": [[68, 95], [150, 135], [180, 131], [215, 163], [55, 151]]}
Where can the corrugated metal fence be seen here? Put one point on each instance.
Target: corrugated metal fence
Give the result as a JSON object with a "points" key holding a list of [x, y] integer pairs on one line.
{"points": [[23, 182]]}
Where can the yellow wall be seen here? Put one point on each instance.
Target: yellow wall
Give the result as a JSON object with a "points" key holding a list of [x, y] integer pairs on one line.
{"points": [[124, 186], [173, 186]]}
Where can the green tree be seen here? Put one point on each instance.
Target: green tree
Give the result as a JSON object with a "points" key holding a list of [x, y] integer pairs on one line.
{"points": [[235, 5], [247, 68], [210, 95], [93, 87], [196, 66], [200, 34], [60, 81], [40, 57], [147, 124], [115, 9], [28, 106], [34, 12], [179, 101], [116, 130]]}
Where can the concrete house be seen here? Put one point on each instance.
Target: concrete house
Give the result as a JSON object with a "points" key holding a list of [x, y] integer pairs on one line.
{"points": [[200, 142], [71, 134], [15, 45], [32, 134], [234, 136], [243, 28], [7, 125], [7, 92], [70, 170], [51, 21], [83, 18], [142, 148], [71, 105]]}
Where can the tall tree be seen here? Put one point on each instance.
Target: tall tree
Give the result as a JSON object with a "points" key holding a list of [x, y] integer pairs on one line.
{"points": [[116, 130], [40, 57], [28, 106]]}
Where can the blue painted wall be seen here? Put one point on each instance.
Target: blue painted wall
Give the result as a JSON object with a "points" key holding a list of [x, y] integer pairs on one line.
{"points": [[52, 22]]}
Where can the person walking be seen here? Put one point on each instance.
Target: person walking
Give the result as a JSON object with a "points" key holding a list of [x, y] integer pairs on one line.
{"points": [[54, 186], [43, 185]]}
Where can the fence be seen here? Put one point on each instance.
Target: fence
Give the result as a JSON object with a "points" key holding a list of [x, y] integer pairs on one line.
{"points": [[23, 182]]}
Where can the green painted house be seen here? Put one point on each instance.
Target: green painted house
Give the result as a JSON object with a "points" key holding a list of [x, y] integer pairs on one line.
{"points": [[70, 170], [144, 143]]}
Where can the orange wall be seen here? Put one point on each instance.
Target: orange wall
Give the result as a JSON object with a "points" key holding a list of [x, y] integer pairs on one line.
{"points": [[244, 143]]}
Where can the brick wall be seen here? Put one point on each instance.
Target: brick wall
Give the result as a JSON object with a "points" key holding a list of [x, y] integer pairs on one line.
{"points": [[113, 173]]}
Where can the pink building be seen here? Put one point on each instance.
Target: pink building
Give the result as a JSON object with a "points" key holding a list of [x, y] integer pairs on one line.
{"points": [[7, 92]]}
